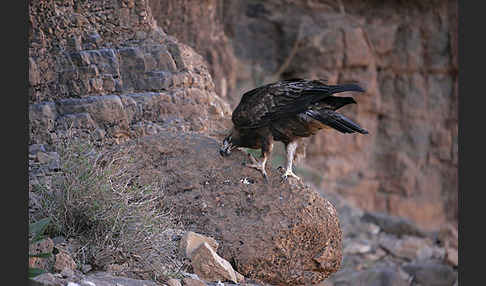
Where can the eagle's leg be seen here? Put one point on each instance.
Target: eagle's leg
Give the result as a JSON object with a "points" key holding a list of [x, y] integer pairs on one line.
{"points": [[290, 148], [260, 166], [266, 151]]}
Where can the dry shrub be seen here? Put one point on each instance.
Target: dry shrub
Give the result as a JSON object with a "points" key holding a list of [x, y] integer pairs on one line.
{"points": [[96, 200]]}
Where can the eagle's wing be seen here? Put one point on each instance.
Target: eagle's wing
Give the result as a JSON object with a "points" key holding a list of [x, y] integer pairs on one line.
{"points": [[282, 99]]}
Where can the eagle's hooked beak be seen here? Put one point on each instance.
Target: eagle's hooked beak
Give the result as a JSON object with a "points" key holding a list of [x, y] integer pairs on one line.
{"points": [[225, 149]]}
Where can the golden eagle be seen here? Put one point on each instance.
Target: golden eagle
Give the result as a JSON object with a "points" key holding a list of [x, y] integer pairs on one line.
{"points": [[286, 111]]}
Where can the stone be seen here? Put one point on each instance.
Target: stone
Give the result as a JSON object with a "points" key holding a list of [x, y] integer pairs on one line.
{"points": [[104, 110], [45, 279], [393, 224], [63, 261], [34, 76], [430, 273], [45, 245], [99, 134], [67, 273], [106, 279], [39, 262], [192, 282], [42, 117], [78, 120], [239, 278], [190, 241], [209, 266], [34, 148], [85, 268], [452, 256], [448, 236], [378, 276], [411, 248], [376, 255], [173, 282], [40, 247], [85, 282], [356, 248]]}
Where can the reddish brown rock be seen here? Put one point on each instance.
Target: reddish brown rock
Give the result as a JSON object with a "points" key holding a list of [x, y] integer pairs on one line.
{"points": [[173, 282], [41, 247], [448, 236], [190, 241], [452, 256], [279, 233], [63, 261], [209, 266]]}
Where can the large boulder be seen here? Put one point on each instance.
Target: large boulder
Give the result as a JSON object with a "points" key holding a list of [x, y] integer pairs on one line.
{"points": [[277, 232]]}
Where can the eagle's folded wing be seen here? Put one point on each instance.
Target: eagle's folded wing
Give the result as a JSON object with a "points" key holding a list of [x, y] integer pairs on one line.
{"points": [[280, 100]]}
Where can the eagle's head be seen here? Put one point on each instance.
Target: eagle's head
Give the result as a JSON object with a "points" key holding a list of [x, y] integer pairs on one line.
{"points": [[230, 142]]}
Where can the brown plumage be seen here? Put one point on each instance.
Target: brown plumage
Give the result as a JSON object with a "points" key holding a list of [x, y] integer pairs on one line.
{"points": [[287, 111]]}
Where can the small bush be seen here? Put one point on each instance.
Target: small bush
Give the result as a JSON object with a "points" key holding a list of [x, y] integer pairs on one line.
{"points": [[36, 231], [97, 201]]}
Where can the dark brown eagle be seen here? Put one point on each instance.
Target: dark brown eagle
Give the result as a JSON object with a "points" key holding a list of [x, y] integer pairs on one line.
{"points": [[286, 111]]}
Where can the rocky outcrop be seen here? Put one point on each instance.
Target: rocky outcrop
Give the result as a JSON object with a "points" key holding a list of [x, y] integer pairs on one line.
{"points": [[106, 67], [199, 24], [403, 53], [279, 233]]}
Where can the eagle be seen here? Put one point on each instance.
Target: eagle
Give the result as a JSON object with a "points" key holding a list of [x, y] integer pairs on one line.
{"points": [[287, 111]]}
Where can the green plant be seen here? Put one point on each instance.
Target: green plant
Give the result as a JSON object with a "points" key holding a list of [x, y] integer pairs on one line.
{"points": [[36, 231], [97, 200]]}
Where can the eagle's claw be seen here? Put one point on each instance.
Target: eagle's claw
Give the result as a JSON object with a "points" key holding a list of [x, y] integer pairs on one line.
{"points": [[260, 166], [289, 173]]}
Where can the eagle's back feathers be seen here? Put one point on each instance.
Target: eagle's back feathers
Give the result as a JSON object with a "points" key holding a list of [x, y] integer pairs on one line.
{"points": [[284, 99]]}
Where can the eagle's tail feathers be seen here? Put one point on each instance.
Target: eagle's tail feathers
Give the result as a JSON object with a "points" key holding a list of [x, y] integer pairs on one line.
{"points": [[337, 121], [349, 124]]}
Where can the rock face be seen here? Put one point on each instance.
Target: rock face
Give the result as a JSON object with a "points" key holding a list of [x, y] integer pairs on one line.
{"points": [[403, 53], [278, 233], [200, 25], [106, 67]]}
